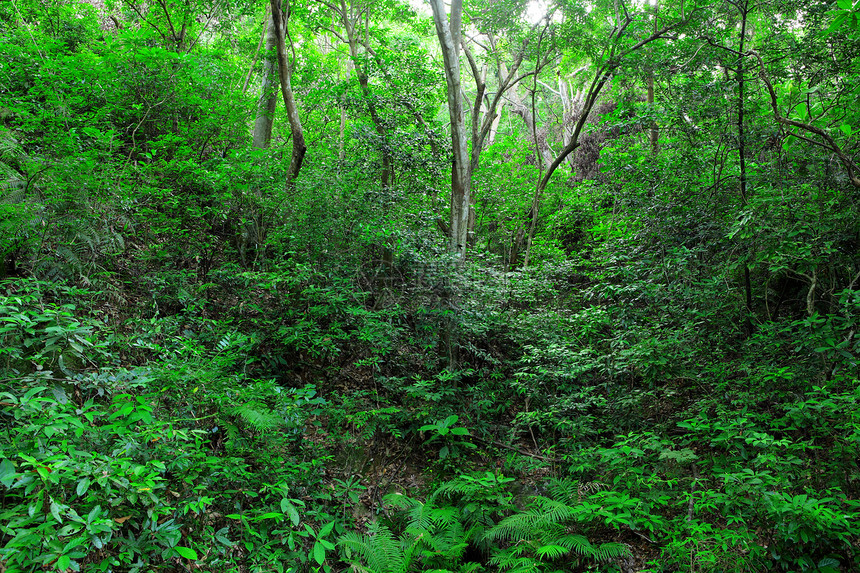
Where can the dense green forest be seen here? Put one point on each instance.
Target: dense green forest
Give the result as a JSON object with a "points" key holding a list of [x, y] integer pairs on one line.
{"points": [[390, 287]]}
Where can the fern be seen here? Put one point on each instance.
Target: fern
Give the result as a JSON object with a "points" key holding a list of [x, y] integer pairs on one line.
{"points": [[541, 534], [258, 416], [460, 487], [379, 550], [577, 544], [545, 514]]}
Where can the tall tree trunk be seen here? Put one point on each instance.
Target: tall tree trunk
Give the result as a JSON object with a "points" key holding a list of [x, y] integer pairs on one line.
{"points": [[285, 75], [268, 101], [653, 132], [449, 40], [744, 9]]}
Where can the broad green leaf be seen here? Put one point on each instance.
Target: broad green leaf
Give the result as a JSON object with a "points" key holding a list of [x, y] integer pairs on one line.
{"points": [[76, 542], [55, 511], [846, 129], [64, 562], [837, 22], [94, 513], [83, 486], [186, 552], [7, 472], [319, 553], [326, 529]]}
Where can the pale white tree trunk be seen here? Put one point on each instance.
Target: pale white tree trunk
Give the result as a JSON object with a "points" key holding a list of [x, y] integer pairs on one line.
{"points": [[268, 91]]}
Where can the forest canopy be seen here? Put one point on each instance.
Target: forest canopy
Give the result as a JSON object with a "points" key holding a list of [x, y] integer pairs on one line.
{"points": [[390, 287]]}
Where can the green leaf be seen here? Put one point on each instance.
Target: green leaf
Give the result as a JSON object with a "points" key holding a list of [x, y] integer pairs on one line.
{"points": [[288, 508], [7, 472], [186, 552], [76, 542], [83, 486], [55, 511], [319, 553], [64, 562], [836, 23], [846, 129], [844, 4], [326, 529], [443, 453]]}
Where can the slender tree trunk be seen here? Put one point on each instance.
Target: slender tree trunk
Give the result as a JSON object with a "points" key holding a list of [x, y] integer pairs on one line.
{"points": [[449, 39], [364, 83], [341, 142], [285, 76], [520, 108], [653, 132], [268, 101], [744, 8]]}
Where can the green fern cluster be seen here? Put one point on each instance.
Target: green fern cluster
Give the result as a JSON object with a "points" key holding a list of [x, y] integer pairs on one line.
{"points": [[432, 539], [543, 533], [435, 537]]}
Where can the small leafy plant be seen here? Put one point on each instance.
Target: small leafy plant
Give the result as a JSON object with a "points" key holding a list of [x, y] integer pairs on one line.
{"points": [[445, 432]]}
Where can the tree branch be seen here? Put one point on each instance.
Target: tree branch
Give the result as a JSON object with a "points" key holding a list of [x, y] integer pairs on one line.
{"points": [[850, 165]]}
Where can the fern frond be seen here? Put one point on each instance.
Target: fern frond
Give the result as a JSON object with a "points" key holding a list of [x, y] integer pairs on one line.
{"points": [[353, 544], [400, 501], [564, 490], [257, 415], [551, 551], [458, 487], [545, 514], [379, 550], [578, 544], [512, 560], [611, 550], [554, 512], [518, 526]]}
